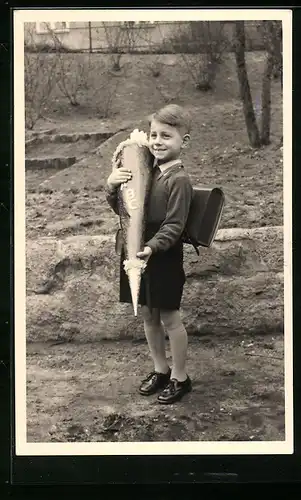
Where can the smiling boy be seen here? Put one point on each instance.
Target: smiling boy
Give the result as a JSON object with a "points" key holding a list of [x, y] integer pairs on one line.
{"points": [[163, 281]]}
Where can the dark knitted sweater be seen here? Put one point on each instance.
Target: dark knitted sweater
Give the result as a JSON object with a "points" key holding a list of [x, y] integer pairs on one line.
{"points": [[168, 206]]}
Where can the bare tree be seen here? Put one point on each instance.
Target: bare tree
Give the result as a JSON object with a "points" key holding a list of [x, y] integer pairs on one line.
{"points": [[277, 49], [271, 35], [271, 58], [272, 40], [244, 86]]}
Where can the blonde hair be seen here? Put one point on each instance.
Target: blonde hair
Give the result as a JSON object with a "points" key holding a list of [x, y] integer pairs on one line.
{"points": [[173, 115]]}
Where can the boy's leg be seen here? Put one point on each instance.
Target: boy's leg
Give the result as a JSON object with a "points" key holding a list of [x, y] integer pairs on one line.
{"points": [[155, 338], [178, 343], [179, 383]]}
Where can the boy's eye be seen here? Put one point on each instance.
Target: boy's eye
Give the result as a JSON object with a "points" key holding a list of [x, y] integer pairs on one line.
{"points": [[164, 136]]}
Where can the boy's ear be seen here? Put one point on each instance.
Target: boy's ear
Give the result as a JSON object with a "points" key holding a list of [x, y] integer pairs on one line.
{"points": [[186, 140]]}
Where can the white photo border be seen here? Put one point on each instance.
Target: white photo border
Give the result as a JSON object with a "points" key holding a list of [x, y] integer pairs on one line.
{"points": [[24, 448]]}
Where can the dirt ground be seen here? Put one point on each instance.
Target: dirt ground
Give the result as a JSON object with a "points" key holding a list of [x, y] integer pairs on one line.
{"points": [[252, 182], [89, 392]]}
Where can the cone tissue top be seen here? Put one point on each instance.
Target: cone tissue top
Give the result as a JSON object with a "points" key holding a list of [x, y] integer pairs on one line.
{"points": [[132, 198]]}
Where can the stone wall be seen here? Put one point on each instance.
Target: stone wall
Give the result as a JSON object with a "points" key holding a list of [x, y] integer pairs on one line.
{"points": [[234, 287]]}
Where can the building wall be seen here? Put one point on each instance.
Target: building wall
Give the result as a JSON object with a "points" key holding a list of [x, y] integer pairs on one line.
{"points": [[149, 36]]}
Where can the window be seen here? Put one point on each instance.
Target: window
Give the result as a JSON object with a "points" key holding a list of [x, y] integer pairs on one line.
{"points": [[137, 24], [57, 27]]}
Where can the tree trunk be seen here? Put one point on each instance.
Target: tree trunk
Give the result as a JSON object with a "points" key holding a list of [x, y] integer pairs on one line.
{"points": [[276, 37], [244, 87], [266, 100], [278, 50], [272, 37]]}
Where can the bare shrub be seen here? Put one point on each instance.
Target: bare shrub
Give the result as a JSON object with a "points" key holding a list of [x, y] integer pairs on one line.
{"points": [[104, 95], [39, 82], [200, 47], [72, 75], [206, 38], [105, 107], [155, 69], [166, 94], [161, 81], [102, 87], [75, 74], [72, 70], [113, 36], [120, 38]]}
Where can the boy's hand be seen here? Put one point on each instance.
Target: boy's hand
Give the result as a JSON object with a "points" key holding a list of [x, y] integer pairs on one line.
{"points": [[118, 176], [145, 254]]}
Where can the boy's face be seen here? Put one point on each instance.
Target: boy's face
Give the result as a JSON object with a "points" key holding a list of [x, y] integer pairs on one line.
{"points": [[166, 141]]}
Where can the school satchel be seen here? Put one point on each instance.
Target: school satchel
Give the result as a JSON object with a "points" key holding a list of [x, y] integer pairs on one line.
{"points": [[203, 219], [204, 216]]}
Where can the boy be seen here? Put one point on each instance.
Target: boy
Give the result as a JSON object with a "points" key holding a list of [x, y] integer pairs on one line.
{"points": [[163, 280]]}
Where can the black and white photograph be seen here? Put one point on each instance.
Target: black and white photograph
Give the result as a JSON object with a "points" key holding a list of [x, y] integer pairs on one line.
{"points": [[153, 269]]}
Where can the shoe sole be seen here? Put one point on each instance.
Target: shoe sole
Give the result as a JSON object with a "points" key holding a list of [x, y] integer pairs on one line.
{"points": [[148, 393], [152, 392]]}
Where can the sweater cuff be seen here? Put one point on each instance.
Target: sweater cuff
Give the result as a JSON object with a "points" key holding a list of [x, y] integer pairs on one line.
{"points": [[110, 190], [152, 243]]}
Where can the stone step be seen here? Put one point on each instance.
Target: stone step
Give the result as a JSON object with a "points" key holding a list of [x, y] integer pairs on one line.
{"points": [[66, 138], [88, 171], [55, 162]]}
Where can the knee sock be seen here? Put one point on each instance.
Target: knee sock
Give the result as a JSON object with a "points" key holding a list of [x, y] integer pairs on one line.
{"points": [[155, 336], [178, 345]]}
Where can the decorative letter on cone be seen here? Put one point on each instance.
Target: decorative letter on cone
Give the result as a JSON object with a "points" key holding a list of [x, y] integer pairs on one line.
{"points": [[135, 155]]}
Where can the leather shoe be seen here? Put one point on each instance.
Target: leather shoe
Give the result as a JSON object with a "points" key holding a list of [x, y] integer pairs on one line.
{"points": [[154, 382], [174, 391]]}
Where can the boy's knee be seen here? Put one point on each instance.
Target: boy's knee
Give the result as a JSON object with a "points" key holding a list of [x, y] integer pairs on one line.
{"points": [[171, 319], [150, 317]]}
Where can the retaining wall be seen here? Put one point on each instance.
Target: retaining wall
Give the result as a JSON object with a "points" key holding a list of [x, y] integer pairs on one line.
{"points": [[234, 287]]}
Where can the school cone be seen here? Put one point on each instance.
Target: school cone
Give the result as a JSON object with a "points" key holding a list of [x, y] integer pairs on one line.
{"points": [[134, 276], [134, 154]]}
